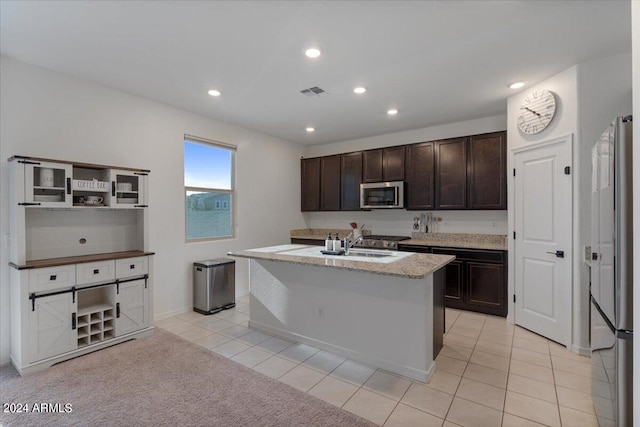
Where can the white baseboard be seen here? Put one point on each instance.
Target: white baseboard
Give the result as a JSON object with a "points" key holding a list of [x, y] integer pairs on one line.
{"points": [[417, 374], [183, 310], [168, 314], [582, 351]]}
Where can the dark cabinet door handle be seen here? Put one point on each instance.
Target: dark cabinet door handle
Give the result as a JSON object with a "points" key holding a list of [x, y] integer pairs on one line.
{"points": [[559, 254], [68, 185], [73, 321], [117, 310], [52, 277], [113, 188], [96, 271], [132, 266]]}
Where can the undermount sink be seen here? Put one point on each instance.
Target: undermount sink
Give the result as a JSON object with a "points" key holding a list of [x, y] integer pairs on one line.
{"points": [[357, 254], [373, 254]]}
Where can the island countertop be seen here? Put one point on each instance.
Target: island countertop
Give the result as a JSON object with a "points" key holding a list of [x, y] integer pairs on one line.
{"points": [[404, 264]]}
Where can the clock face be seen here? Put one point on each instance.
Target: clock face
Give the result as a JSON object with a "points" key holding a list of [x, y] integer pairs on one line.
{"points": [[536, 112]]}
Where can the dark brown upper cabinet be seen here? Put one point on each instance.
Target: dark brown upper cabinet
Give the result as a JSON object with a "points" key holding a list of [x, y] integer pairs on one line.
{"points": [[330, 183], [393, 163], [372, 166], [419, 176], [351, 178], [451, 174], [310, 184], [383, 164], [487, 171]]}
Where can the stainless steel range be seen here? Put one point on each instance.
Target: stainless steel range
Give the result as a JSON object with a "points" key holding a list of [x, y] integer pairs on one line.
{"points": [[381, 242]]}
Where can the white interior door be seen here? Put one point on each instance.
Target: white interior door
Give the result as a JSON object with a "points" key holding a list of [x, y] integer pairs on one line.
{"points": [[543, 243]]}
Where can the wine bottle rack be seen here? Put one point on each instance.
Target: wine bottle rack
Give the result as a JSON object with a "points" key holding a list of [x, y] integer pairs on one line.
{"points": [[95, 324]]}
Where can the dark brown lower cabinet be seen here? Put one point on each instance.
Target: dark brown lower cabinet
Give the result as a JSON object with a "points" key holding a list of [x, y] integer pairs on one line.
{"points": [[476, 280], [455, 273], [482, 292]]}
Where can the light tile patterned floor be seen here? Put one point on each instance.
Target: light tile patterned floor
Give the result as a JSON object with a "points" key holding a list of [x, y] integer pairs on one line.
{"points": [[489, 373]]}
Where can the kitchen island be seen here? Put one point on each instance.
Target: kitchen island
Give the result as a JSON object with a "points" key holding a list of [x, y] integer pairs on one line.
{"points": [[381, 308]]}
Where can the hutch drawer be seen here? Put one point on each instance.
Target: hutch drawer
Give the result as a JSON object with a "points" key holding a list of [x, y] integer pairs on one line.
{"points": [[94, 272], [52, 278]]}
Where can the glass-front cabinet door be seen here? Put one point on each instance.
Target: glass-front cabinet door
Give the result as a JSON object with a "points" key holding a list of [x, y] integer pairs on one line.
{"points": [[47, 184], [128, 189]]}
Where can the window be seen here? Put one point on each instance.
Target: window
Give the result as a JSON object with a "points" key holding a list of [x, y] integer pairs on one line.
{"points": [[209, 189]]}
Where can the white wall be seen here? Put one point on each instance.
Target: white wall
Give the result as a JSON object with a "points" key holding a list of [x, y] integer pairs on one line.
{"points": [[400, 222], [635, 25], [50, 115], [564, 85], [589, 96]]}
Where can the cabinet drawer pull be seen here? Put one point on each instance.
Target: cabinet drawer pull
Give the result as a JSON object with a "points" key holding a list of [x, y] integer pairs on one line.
{"points": [[53, 277], [132, 266], [96, 271]]}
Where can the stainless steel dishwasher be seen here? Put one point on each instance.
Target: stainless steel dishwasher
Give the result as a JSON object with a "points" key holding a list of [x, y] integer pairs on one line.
{"points": [[214, 285]]}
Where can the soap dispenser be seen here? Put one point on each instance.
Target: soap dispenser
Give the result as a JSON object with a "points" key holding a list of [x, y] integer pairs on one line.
{"points": [[336, 244], [328, 244]]}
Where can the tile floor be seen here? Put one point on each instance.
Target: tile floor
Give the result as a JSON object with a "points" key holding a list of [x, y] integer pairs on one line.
{"points": [[489, 373]]}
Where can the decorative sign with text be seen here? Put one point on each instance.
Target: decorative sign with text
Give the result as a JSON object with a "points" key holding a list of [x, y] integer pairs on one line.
{"points": [[90, 185]]}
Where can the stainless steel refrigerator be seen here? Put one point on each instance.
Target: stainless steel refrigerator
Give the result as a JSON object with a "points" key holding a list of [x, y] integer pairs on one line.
{"points": [[612, 275]]}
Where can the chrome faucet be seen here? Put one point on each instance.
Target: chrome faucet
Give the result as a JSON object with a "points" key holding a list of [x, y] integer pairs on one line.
{"points": [[348, 245]]}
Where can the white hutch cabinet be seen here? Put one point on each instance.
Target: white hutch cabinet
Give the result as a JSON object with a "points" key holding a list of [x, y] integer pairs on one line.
{"points": [[81, 275]]}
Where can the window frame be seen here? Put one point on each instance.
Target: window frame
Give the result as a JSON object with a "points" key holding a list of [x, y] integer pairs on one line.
{"points": [[232, 192]]}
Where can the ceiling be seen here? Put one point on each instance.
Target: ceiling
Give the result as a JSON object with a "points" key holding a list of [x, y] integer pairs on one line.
{"points": [[437, 62]]}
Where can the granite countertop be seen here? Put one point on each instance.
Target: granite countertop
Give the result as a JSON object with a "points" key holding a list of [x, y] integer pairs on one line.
{"points": [[459, 240], [411, 266]]}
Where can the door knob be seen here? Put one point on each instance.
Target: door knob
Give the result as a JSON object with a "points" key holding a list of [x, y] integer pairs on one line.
{"points": [[559, 254]]}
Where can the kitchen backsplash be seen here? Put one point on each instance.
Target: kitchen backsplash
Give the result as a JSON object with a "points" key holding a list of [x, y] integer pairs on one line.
{"points": [[400, 222]]}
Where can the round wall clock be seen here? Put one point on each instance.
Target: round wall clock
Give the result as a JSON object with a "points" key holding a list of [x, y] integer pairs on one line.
{"points": [[536, 112]]}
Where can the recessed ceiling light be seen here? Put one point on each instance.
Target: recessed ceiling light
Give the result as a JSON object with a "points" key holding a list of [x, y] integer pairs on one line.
{"points": [[214, 92], [310, 129], [516, 85], [313, 52], [360, 89], [392, 112]]}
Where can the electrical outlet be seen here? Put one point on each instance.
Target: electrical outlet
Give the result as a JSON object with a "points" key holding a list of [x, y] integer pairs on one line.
{"points": [[494, 224], [320, 311]]}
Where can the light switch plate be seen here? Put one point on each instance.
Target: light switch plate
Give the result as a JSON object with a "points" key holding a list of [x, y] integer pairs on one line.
{"points": [[587, 253]]}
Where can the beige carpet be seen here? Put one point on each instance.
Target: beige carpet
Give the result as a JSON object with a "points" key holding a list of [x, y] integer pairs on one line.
{"points": [[162, 380]]}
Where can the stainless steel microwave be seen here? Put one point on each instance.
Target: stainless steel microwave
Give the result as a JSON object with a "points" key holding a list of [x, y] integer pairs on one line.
{"points": [[382, 195]]}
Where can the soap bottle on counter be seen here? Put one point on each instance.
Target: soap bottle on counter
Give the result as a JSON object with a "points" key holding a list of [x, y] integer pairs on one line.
{"points": [[336, 244], [328, 244]]}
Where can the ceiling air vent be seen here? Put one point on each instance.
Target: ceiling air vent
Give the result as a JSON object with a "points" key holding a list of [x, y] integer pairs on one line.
{"points": [[313, 91]]}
